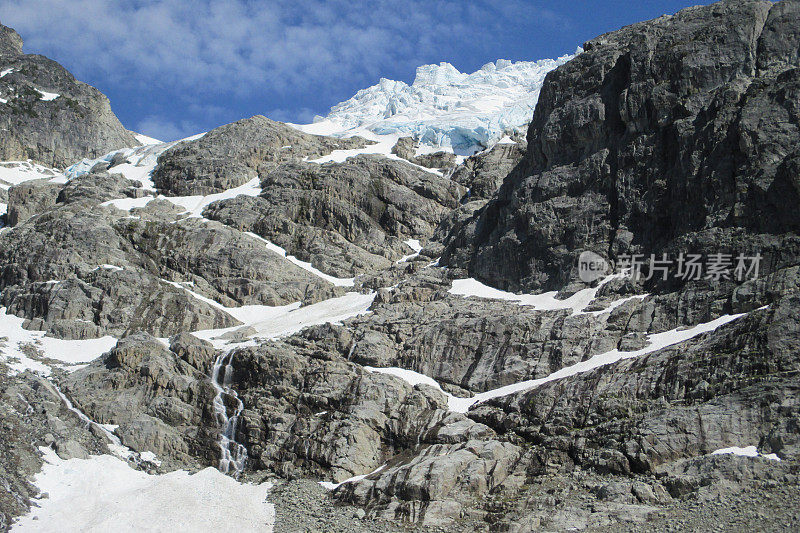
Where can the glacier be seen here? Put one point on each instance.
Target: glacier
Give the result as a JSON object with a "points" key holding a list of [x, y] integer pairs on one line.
{"points": [[446, 108]]}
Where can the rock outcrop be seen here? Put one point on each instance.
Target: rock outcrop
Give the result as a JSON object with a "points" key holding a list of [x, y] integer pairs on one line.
{"points": [[406, 148], [33, 414], [47, 115], [449, 404], [344, 218], [158, 397], [671, 134], [10, 41], [30, 198], [79, 269], [232, 155], [483, 173]]}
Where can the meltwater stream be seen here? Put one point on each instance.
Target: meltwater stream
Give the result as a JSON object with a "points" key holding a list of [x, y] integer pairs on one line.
{"points": [[232, 454]]}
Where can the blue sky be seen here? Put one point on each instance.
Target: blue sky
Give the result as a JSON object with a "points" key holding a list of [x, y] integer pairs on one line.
{"points": [[178, 67]]}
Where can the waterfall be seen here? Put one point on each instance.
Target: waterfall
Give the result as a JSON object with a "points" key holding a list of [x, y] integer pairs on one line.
{"points": [[232, 454]]}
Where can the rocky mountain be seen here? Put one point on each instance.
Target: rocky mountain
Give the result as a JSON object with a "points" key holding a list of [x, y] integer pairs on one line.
{"points": [[629, 154], [399, 340], [47, 115]]}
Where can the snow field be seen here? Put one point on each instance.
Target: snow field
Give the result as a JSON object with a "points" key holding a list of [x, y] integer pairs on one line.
{"points": [[103, 493]]}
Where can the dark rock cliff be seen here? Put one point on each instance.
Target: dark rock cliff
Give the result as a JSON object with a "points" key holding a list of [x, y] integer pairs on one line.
{"points": [[673, 134]]}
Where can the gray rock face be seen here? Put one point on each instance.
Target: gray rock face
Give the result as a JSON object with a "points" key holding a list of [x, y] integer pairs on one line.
{"points": [[478, 345], [303, 505], [30, 198], [233, 268], [677, 134], [37, 196], [32, 414], [82, 270], [682, 402], [236, 153], [98, 187], [407, 149], [78, 123], [10, 41], [158, 397], [436, 485], [53, 275], [344, 218], [651, 138], [483, 173], [300, 406]]}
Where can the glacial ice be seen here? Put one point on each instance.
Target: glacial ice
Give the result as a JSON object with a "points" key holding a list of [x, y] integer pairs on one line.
{"points": [[447, 108]]}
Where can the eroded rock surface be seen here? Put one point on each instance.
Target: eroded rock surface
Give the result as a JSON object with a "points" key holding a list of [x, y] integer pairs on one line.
{"points": [[232, 155], [673, 135], [676, 132], [344, 218], [49, 116], [79, 269]]}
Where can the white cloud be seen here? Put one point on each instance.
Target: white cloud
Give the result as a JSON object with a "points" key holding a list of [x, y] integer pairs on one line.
{"points": [[302, 115], [241, 46], [166, 130], [214, 61]]}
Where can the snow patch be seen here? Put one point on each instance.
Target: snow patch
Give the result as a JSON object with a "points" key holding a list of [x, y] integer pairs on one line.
{"points": [[47, 97], [129, 204], [16, 172], [103, 493], [541, 302], [416, 246], [280, 321], [276, 322], [747, 451], [150, 457], [331, 486], [64, 352], [245, 313], [193, 205], [141, 160], [381, 145], [109, 267], [656, 341], [144, 139], [339, 282]]}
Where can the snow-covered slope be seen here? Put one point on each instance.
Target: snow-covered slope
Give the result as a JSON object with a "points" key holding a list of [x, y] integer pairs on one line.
{"points": [[447, 108], [103, 494]]}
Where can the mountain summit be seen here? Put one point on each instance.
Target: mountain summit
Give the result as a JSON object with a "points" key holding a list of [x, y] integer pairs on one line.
{"points": [[46, 115]]}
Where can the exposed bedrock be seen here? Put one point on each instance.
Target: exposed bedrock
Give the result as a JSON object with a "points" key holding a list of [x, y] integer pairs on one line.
{"points": [[680, 132]]}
